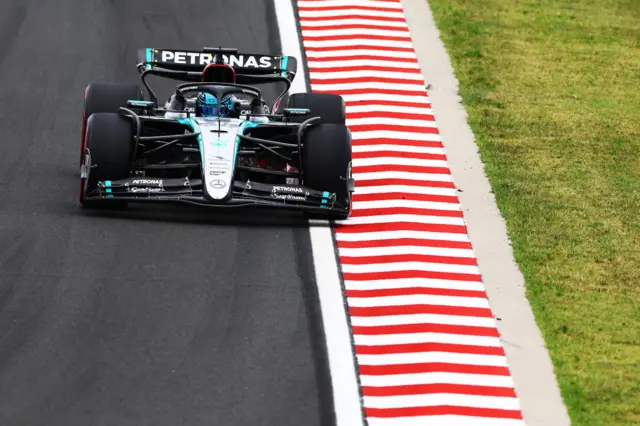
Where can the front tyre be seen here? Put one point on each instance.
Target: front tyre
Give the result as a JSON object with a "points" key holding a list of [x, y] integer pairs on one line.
{"points": [[326, 163], [106, 97], [328, 106], [109, 141]]}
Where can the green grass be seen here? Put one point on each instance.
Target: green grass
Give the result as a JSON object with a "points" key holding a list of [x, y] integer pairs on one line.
{"points": [[552, 88]]}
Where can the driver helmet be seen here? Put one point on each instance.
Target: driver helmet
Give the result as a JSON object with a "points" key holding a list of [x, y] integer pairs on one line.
{"points": [[207, 105]]}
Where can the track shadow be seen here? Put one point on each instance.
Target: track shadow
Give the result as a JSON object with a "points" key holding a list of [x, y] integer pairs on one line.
{"points": [[245, 216]]}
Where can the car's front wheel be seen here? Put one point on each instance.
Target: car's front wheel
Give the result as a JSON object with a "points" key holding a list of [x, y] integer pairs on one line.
{"points": [[109, 142], [326, 162], [106, 97], [328, 106]]}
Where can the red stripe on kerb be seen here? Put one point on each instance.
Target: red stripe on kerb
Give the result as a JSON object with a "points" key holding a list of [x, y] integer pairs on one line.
{"points": [[351, 80], [428, 389], [360, 58], [442, 410], [401, 142], [398, 154], [398, 242], [319, 70], [401, 226], [404, 210], [353, 27], [451, 199], [413, 257], [357, 37], [353, 16], [393, 128], [419, 309], [406, 182], [408, 348], [367, 102], [335, 7], [344, 92], [369, 276], [401, 168], [364, 47], [389, 114]]}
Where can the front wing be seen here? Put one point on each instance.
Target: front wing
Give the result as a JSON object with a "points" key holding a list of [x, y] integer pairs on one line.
{"points": [[243, 194]]}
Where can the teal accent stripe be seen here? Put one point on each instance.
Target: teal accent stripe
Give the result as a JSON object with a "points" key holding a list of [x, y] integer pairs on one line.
{"points": [[325, 199], [109, 190], [107, 183], [149, 57], [283, 64]]}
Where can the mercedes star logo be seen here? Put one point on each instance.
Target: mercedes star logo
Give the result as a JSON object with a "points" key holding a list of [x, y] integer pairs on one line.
{"points": [[217, 184]]}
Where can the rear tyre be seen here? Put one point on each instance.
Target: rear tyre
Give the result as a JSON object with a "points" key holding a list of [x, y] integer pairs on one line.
{"points": [[326, 163], [329, 107], [110, 139], [106, 97]]}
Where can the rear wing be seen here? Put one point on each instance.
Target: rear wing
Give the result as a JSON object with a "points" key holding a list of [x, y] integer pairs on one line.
{"points": [[189, 65], [197, 60]]}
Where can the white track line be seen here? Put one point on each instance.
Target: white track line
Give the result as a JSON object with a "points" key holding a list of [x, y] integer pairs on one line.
{"points": [[341, 359]]}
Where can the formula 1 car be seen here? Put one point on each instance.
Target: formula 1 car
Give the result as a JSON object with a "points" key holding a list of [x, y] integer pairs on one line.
{"points": [[216, 142]]}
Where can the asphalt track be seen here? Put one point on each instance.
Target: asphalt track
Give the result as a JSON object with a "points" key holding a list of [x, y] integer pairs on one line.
{"points": [[155, 318]]}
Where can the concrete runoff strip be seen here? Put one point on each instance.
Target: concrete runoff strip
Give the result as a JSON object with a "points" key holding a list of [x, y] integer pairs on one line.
{"points": [[528, 359]]}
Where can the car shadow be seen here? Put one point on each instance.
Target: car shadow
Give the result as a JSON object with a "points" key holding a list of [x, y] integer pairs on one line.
{"points": [[198, 215]]}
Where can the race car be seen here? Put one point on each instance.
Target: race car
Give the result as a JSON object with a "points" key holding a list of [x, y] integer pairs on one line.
{"points": [[216, 141]]}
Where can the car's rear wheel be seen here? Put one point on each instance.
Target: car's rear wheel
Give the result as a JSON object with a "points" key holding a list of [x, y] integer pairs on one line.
{"points": [[326, 163], [109, 140], [106, 97], [329, 107]]}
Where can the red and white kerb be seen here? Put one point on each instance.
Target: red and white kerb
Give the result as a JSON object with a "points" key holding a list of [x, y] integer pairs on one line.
{"points": [[426, 343]]}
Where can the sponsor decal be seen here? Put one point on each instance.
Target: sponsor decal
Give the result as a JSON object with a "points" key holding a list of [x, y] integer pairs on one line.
{"points": [[149, 182], [217, 184], [199, 58], [289, 193], [216, 172], [147, 190], [297, 111], [290, 197], [289, 189]]}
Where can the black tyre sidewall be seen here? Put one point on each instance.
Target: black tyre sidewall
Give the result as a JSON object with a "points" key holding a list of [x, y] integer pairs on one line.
{"points": [[326, 158], [329, 107], [106, 97], [109, 139]]}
